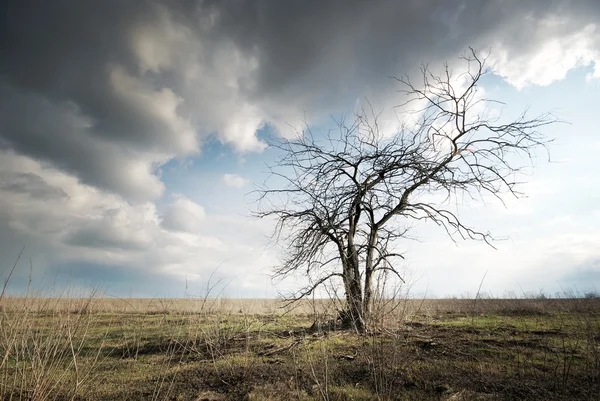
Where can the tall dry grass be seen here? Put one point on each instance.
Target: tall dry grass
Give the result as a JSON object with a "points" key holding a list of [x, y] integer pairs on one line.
{"points": [[51, 343], [41, 345]]}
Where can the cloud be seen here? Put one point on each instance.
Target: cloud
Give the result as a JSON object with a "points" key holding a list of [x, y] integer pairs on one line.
{"points": [[63, 222], [29, 183], [554, 57], [183, 215], [235, 181]]}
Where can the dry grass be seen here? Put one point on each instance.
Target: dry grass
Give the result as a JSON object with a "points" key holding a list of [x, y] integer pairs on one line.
{"points": [[399, 307]]}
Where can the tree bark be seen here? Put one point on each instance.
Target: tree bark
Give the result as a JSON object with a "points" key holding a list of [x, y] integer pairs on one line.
{"points": [[354, 315], [368, 291]]}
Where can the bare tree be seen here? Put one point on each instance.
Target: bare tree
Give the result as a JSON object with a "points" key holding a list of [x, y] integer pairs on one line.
{"points": [[344, 200]]}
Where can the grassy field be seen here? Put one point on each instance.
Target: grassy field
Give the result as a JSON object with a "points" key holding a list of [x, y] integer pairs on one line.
{"points": [[202, 349]]}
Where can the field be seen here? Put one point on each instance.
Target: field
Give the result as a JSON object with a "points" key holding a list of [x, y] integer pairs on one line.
{"points": [[219, 349]]}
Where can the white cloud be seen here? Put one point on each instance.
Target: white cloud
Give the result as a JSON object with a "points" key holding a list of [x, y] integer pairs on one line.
{"points": [[183, 215], [235, 181], [552, 56]]}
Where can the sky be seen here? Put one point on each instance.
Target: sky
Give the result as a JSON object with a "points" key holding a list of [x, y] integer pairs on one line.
{"points": [[132, 132]]}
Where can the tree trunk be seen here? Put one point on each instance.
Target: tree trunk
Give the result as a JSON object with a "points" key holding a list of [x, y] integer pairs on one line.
{"points": [[353, 317], [368, 302], [368, 291]]}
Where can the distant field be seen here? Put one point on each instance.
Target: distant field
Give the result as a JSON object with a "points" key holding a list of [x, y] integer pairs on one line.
{"points": [[276, 306], [234, 349]]}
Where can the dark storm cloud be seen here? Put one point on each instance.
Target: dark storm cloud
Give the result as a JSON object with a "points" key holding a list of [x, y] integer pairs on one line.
{"points": [[67, 96], [63, 51], [308, 45], [61, 48], [327, 49]]}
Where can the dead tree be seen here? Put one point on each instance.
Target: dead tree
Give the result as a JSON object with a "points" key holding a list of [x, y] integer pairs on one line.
{"points": [[343, 201]]}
